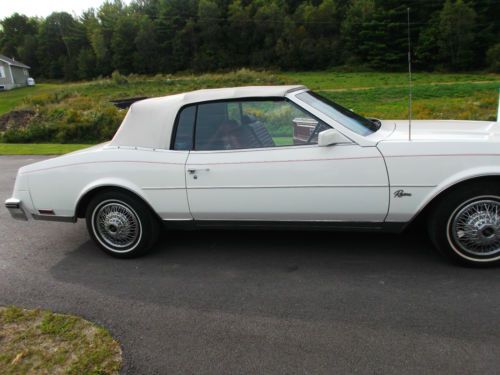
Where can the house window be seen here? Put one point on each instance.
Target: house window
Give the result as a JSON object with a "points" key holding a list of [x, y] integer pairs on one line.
{"points": [[2, 72], [25, 72]]}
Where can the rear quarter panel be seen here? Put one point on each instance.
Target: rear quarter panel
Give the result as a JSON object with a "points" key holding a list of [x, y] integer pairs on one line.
{"points": [[155, 175]]}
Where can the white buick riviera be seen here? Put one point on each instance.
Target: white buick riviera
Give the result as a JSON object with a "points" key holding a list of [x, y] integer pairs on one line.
{"points": [[279, 156]]}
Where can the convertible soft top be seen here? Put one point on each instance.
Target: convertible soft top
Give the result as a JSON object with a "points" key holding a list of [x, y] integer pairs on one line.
{"points": [[149, 122]]}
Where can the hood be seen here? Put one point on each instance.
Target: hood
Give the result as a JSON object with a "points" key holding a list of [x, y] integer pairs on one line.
{"points": [[444, 130]]}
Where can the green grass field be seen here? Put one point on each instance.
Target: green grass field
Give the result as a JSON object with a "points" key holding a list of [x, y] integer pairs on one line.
{"points": [[12, 98], [380, 95], [38, 149]]}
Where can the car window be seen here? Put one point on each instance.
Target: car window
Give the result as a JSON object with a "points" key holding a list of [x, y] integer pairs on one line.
{"points": [[346, 117], [185, 127], [254, 124]]}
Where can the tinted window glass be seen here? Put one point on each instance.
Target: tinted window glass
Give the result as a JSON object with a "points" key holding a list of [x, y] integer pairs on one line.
{"points": [[185, 126], [254, 124]]}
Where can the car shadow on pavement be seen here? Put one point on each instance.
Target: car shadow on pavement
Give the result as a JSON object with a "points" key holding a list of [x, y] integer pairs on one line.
{"points": [[200, 268]]}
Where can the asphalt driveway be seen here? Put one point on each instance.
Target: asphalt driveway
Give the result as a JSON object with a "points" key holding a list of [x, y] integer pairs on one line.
{"points": [[261, 302]]}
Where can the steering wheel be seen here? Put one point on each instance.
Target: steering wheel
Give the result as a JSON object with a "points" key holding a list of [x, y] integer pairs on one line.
{"points": [[316, 129]]}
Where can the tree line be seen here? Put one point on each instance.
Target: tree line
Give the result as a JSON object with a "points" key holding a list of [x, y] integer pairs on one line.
{"points": [[166, 36]]}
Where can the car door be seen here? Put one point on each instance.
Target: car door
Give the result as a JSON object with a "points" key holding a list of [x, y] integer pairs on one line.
{"points": [[258, 159]]}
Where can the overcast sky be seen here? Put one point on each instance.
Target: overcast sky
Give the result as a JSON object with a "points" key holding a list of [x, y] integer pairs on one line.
{"points": [[45, 7]]}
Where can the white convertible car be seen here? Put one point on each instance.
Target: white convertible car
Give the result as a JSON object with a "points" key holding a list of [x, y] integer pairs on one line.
{"points": [[273, 156]]}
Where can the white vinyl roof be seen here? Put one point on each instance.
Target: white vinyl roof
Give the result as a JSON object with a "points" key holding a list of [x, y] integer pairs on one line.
{"points": [[149, 122]]}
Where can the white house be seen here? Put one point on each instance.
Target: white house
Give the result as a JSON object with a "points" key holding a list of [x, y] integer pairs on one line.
{"points": [[12, 73]]}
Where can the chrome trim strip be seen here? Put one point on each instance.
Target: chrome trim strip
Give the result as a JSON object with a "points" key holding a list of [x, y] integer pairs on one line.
{"points": [[288, 187], [66, 219], [163, 188]]}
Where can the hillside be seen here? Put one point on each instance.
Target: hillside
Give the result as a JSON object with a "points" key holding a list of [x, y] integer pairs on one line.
{"points": [[82, 112]]}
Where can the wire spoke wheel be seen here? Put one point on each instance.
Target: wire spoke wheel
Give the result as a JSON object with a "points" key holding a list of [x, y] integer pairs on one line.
{"points": [[116, 225], [475, 227]]}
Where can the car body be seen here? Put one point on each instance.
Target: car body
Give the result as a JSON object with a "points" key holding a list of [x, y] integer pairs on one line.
{"points": [[30, 81], [240, 156]]}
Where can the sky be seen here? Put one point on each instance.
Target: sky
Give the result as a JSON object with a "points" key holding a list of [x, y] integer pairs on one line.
{"points": [[44, 7]]}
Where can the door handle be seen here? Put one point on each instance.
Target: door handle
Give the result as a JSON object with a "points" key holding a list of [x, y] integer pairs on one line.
{"points": [[193, 171]]}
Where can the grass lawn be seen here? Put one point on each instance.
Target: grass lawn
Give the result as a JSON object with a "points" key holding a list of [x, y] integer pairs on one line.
{"points": [[38, 149], [12, 98], [42, 342], [79, 106], [346, 81]]}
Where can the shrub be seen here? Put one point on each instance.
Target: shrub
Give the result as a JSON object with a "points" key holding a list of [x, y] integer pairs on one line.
{"points": [[493, 58], [118, 79]]}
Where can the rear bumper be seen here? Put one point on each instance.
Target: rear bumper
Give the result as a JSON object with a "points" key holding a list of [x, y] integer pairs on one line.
{"points": [[19, 211], [16, 210]]}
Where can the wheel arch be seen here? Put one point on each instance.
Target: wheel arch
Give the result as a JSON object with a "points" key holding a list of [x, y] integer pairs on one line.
{"points": [[447, 189], [89, 193]]}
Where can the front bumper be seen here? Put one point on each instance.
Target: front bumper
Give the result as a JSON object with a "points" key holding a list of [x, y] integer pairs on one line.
{"points": [[16, 209]]}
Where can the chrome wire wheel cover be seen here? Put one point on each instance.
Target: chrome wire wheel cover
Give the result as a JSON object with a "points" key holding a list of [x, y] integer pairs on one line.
{"points": [[475, 227], [116, 225]]}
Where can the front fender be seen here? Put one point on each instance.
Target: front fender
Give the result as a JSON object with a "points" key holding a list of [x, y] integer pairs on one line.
{"points": [[454, 180]]}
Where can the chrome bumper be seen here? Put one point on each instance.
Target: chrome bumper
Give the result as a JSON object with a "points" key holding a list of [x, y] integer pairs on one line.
{"points": [[16, 209]]}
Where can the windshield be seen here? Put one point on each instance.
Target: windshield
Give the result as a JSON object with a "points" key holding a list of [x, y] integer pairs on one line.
{"points": [[344, 116]]}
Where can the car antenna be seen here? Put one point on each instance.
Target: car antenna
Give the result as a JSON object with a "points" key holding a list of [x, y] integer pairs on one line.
{"points": [[409, 79]]}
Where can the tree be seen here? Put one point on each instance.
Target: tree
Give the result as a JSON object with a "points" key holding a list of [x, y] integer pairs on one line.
{"points": [[456, 34], [164, 36], [268, 26], [56, 44], [122, 46], [493, 58], [209, 54], [239, 33], [86, 63], [427, 47], [147, 47], [14, 29], [357, 17]]}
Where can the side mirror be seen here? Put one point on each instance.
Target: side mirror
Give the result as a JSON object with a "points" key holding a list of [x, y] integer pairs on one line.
{"points": [[331, 137]]}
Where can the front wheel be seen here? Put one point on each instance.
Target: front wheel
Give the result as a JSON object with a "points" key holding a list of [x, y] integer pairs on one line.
{"points": [[465, 225], [121, 225]]}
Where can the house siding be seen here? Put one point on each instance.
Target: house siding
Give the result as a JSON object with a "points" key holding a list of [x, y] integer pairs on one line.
{"points": [[14, 76], [6, 81], [19, 77]]}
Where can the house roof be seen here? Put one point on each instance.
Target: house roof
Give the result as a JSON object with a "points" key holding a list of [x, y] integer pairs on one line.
{"points": [[149, 122], [13, 62]]}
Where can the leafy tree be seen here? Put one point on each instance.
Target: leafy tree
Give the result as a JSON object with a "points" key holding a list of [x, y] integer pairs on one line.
{"points": [[239, 32], [493, 58], [159, 36], [427, 48], [122, 46], [147, 47], [14, 29], [86, 63], [456, 33], [55, 44], [26, 53], [357, 17], [209, 54]]}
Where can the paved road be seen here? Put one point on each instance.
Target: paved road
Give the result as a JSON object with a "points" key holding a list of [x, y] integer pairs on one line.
{"points": [[254, 302]]}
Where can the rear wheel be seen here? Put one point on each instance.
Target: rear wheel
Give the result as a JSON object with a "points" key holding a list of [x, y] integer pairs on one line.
{"points": [[465, 225], [121, 224]]}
